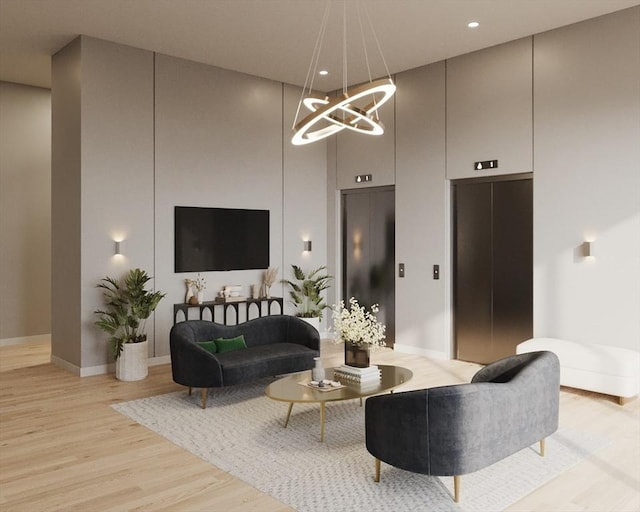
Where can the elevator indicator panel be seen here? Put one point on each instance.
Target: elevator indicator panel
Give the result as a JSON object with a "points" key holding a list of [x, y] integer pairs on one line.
{"points": [[485, 164]]}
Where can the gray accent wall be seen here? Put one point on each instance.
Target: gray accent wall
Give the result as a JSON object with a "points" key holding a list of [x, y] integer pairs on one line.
{"points": [[136, 133], [102, 170], [147, 132], [66, 213], [218, 144], [25, 204], [422, 314], [587, 180]]}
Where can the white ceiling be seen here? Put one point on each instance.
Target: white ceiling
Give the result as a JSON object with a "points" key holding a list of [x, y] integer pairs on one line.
{"points": [[275, 38]]}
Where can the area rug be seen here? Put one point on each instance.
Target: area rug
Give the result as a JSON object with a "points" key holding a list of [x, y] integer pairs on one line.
{"points": [[242, 432]]}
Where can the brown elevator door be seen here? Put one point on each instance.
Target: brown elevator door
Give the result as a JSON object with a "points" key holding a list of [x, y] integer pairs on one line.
{"points": [[493, 268]]}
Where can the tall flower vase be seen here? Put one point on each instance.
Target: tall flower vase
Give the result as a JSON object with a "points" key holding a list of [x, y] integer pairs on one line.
{"points": [[356, 355]]}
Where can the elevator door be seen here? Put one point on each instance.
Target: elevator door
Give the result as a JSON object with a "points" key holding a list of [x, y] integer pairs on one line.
{"points": [[493, 268], [368, 251]]}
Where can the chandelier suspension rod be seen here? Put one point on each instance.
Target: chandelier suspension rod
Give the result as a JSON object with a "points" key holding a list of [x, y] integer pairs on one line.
{"points": [[375, 37], [344, 47], [315, 57]]}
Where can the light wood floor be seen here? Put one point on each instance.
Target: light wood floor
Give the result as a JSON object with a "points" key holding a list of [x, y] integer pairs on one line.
{"points": [[63, 448]]}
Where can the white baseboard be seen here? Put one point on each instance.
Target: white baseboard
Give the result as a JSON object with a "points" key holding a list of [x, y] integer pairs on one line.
{"points": [[65, 365], [90, 371], [38, 338], [431, 354], [157, 361]]}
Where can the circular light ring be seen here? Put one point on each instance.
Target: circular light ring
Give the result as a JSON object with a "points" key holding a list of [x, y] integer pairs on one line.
{"points": [[357, 119], [370, 127]]}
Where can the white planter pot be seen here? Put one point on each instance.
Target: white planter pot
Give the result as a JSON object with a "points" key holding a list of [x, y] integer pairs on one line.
{"points": [[313, 321], [133, 362]]}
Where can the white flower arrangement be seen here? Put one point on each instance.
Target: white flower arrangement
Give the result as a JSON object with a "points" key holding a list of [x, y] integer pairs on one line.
{"points": [[356, 325]]}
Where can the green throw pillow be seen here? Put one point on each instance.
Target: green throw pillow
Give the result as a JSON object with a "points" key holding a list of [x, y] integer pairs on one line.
{"points": [[209, 346], [227, 345]]}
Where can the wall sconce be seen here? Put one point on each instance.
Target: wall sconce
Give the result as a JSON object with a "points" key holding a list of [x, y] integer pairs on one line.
{"points": [[587, 249], [306, 245], [118, 247]]}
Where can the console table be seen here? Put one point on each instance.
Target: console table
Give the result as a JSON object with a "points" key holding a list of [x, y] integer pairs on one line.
{"points": [[263, 307]]}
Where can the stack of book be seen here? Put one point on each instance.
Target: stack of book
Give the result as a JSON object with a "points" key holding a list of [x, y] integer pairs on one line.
{"points": [[355, 375]]}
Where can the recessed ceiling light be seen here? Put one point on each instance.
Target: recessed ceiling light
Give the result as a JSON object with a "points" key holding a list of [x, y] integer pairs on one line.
{"points": [[473, 24], [323, 72]]}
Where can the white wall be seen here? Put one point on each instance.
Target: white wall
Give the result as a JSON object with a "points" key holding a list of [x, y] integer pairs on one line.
{"points": [[587, 180], [25, 204]]}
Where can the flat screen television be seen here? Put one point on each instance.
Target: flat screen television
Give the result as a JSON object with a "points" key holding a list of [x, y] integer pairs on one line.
{"points": [[209, 239]]}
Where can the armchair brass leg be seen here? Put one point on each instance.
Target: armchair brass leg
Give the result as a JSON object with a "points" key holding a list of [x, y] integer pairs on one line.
{"points": [[203, 393], [377, 477], [541, 447], [456, 488]]}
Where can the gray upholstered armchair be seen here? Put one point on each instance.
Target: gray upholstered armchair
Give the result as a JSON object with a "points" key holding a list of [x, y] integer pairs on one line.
{"points": [[454, 430]]}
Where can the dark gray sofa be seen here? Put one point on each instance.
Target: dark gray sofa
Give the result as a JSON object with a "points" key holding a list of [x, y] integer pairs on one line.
{"points": [[276, 344], [454, 430]]}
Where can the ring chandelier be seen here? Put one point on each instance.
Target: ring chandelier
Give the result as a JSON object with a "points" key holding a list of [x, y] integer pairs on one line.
{"points": [[356, 109]]}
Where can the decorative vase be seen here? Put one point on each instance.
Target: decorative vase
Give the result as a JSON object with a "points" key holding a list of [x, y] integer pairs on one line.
{"points": [[356, 355], [187, 299], [133, 361], [317, 372], [200, 296]]}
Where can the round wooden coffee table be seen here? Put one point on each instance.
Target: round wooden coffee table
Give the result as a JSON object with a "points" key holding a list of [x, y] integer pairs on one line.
{"points": [[292, 389]]}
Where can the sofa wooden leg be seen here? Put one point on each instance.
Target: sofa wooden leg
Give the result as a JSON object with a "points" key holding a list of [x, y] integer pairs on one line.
{"points": [[190, 390], [541, 447], [456, 488], [203, 393], [377, 477]]}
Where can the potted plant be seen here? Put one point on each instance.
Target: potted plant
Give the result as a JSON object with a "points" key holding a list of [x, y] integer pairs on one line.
{"points": [[306, 293], [359, 329], [128, 305]]}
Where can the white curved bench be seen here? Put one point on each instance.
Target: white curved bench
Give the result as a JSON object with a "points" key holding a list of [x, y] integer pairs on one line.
{"points": [[600, 368]]}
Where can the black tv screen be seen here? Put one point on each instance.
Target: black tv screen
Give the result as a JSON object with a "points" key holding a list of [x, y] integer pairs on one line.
{"points": [[208, 239]]}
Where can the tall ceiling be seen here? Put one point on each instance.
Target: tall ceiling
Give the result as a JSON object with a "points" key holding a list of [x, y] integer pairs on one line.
{"points": [[275, 38]]}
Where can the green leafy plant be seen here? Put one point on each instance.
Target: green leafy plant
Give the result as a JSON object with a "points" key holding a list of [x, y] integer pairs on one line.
{"points": [[306, 291], [128, 305]]}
